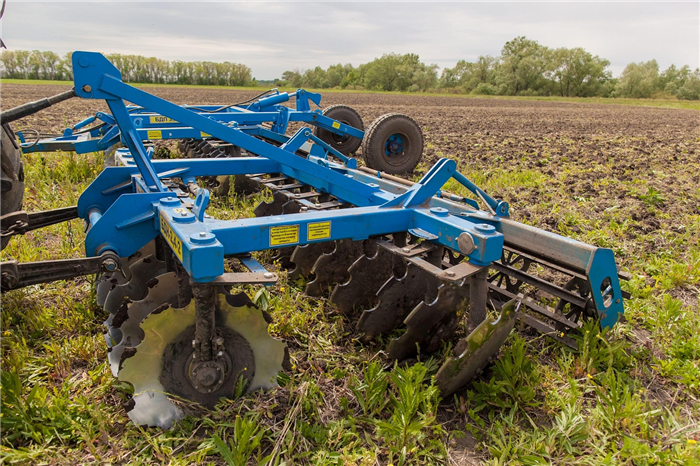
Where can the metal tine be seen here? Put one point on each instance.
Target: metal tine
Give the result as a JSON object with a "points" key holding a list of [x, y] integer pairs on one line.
{"points": [[397, 298], [136, 288], [305, 256], [366, 275], [475, 351], [431, 322], [332, 268]]}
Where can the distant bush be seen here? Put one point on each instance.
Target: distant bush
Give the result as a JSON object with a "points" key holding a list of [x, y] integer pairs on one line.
{"points": [[485, 89]]}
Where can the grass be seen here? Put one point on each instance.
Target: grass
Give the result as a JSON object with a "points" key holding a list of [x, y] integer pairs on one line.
{"points": [[664, 103], [628, 396]]}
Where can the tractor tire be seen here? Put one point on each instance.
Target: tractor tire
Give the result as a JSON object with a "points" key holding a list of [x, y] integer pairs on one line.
{"points": [[346, 115], [393, 144], [12, 177]]}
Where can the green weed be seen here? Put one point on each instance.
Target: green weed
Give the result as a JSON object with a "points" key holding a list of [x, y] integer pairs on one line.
{"points": [[245, 442]]}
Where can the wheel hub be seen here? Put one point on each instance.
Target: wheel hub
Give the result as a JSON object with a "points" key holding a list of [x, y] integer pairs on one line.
{"points": [[394, 145], [209, 376]]}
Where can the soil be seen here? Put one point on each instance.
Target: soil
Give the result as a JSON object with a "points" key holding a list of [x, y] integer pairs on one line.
{"points": [[611, 175], [579, 152]]}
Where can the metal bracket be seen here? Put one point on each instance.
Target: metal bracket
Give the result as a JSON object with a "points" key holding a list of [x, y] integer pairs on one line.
{"points": [[18, 275], [18, 223]]}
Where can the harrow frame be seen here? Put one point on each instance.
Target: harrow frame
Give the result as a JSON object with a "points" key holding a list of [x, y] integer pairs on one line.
{"points": [[454, 244]]}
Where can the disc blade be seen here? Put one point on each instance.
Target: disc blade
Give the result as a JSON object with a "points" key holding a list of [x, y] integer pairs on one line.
{"points": [[430, 323], [366, 276], [249, 322], [305, 256], [150, 405], [109, 280], [136, 288], [147, 371], [397, 297], [162, 290], [481, 345], [332, 268]]}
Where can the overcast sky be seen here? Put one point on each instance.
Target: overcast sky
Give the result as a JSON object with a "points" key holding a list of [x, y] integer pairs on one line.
{"points": [[271, 37]]}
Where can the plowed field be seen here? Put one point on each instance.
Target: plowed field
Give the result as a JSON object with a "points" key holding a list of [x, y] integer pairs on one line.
{"points": [[615, 176]]}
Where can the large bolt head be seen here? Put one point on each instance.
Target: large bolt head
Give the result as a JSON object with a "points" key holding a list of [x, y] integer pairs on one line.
{"points": [[465, 243], [207, 376]]}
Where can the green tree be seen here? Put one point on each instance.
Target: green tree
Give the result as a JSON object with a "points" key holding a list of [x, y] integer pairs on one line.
{"points": [[468, 75], [578, 73], [690, 90], [522, 67], [639, 80]]}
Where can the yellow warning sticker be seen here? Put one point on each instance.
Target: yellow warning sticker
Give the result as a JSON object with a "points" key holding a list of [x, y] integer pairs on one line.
{"points": [[180, 210], [336, 125], [161, 119], [288, 234], [319, 231], [155, 134], [171, 237], [204, 135]]}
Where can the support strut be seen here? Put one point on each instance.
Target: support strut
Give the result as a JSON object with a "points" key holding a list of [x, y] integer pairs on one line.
{"points": [[205, 321]]}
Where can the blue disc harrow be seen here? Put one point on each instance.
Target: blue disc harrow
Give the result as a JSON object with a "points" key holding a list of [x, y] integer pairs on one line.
{"points": [[399, 255]]}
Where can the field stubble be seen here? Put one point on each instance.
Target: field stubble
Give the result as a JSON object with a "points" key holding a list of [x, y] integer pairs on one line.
{"points": [[622, 177]]}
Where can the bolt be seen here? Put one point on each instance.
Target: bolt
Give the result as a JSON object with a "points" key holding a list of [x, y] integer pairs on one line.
{"points": [[202, 234], [406, 250], [219, 341], [110, 265], [450, 273], [268, 275], [184, 214], [219, 354], [194, 343], [87, 88], [9, 280]]}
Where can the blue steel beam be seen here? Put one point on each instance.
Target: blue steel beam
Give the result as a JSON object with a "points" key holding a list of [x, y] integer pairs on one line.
{"points": [[94, 80]]}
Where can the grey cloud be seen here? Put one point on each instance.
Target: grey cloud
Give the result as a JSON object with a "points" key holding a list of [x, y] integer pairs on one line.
{"points": [[274, 37]]}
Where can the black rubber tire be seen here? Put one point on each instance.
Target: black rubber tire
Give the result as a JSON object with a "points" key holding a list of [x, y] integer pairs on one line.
{"points": [[377, 136], [12, 175], [348, 116]]}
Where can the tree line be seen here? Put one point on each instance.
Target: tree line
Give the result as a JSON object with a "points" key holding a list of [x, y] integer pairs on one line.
{"points": [[22, 64], [524, 68]]}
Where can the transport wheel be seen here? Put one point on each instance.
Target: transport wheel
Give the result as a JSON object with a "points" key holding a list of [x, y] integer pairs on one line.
{"points": [[346, 115], [12, 175], [393, 144]]}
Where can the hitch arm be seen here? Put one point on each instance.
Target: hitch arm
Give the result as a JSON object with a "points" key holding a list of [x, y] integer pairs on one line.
{"points": [[8, 116], [18, 223], [18, 275]]}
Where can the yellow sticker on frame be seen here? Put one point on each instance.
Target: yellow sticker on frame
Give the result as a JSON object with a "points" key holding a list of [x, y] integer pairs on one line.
{"points": [[171, 237], [336, 125], [155, 134], [161, 120], [319, 231], [287, 234]]}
